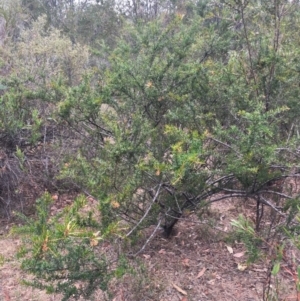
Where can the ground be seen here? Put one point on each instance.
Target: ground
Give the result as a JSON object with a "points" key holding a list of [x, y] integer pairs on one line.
{"points": [[201, 261]]}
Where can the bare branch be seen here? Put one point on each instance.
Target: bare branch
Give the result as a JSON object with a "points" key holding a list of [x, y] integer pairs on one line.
{"points": [[268, 203], [147, 211], [231, 176], [148, 240], [235, 195], [277, 193], [225, 144]]}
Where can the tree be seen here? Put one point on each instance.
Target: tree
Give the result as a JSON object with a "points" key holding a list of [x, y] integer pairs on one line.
{"points": [[33, 72], [141, 127], [188, 117], [186, 111], [82, 21]]}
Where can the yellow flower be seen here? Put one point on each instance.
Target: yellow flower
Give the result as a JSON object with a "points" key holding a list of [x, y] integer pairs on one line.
{"points": [[149, 84], [115, 204]]}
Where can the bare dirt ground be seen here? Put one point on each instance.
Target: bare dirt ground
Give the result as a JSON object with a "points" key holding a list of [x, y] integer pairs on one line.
{"points": [[199, 262]]}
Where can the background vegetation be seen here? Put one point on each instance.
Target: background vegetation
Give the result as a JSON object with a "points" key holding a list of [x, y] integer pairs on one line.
{"points": [[154, 109]]}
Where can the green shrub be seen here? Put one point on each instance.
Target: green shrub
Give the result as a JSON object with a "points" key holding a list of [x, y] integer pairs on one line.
{"points": [[63, 253]]}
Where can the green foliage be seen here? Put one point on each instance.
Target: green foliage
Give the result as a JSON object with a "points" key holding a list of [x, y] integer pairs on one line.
{"points": [[248, 236], [193, 104], [139, 117], [61, 251], [16, 116], [180, 107], [293, 209], [252, 151], [48, 56], [276, 269], [82, 22]]}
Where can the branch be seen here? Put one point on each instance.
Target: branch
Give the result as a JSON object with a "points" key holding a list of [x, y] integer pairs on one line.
{"points": [[248, 46], [206, 194], [233, 190], [277, 193], [231, 176], [235, 195], [225, 144], [148, 240], [147, 211], [266, 202], [196, 222], [287, 149]]}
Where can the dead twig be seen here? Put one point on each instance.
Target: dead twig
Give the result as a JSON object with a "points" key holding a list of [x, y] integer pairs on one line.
{"points": [[148, 240], [147, 211]]}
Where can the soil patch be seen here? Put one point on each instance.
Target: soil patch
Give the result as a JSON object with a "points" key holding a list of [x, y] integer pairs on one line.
{"points": [[200, 261]]}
